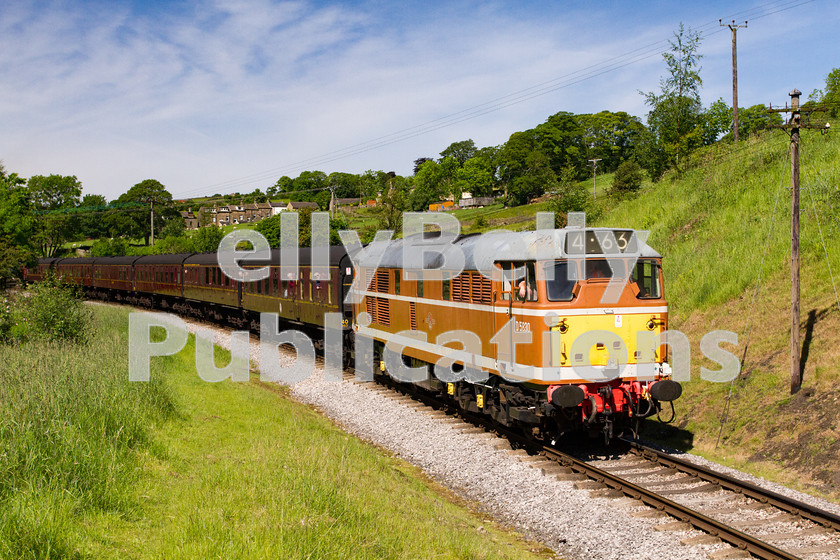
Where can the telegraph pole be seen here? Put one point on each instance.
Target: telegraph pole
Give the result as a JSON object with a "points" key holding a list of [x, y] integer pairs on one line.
{"points": [[595, 177], [794, 125], [732, 26], [795, 371]]}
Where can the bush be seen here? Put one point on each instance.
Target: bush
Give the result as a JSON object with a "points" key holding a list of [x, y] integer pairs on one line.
{"points": [[52, 310], [628, 178], [207, 239], [116, 247]]}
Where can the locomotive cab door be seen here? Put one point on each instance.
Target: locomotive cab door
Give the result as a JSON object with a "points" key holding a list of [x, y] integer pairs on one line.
{"points": [[518, 290]]}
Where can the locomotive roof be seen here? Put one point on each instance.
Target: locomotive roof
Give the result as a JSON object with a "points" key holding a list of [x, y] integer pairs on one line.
{"points": [[481, 251]]}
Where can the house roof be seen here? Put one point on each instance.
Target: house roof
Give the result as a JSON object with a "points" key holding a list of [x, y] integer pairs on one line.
{"points": [[303, 205]]}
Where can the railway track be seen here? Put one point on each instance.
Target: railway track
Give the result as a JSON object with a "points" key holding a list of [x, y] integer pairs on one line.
{"points": [[757, 521]]}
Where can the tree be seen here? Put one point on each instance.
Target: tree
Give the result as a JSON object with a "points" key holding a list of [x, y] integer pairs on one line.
{"points": [[419, 163], [717, 120], [283, 184], [675, 115], [91, 224], [394, 201], [17, 218], [16, 225], [52, 197], [207, 239], [459, 151], [561, 139], [755, 118], [476, 177], [175, 227], [830, 94], [145, 194], [628, 178], [524, 170], [536, 178], [346, 184], [433, 182], [570, 196]]}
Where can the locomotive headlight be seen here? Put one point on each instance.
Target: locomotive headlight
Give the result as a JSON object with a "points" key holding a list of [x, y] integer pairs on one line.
{"points": [[563, 327], [651, 324]]}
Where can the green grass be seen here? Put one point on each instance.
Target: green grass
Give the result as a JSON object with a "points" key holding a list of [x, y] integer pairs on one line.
{"points": [[70, 426], [92, 466]]}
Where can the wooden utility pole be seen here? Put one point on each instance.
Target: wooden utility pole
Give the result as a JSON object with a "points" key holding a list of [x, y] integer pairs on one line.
{"points": [[152, 212], [595, 177], [332, 201], [795, 372], [732, 26], [794, 125]]}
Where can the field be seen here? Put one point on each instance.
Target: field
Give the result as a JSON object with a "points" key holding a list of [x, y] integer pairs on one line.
{"points": [[92, 466]]}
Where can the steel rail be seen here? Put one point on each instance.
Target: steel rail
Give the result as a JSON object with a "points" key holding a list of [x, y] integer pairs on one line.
{"points": [[748, 489], [716, 528]]}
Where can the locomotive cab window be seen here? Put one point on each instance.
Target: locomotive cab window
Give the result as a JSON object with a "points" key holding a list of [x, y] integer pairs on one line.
{"points": [[519, 279], [600, 269], [558, 286], [646, 277], [526, 286]]}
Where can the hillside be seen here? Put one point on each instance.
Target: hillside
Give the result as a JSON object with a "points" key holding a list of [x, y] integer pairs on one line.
{"points": [[711, 226]]}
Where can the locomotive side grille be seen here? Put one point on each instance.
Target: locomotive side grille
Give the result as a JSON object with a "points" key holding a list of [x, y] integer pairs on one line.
{"points": [[383, 315], [370, 304], [412, 316], [381, 281], [369, 273], [461, 287], [482, 289]]}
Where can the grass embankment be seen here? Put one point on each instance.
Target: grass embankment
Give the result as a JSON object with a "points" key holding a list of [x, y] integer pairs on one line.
{"points": [[93, 466], [711, 225]]}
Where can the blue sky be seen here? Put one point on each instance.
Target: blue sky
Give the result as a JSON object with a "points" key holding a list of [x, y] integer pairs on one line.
{"points": [[228, 95]]}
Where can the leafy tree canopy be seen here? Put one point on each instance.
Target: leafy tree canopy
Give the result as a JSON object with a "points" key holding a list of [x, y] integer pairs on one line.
{"points": [[459, 151]]}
